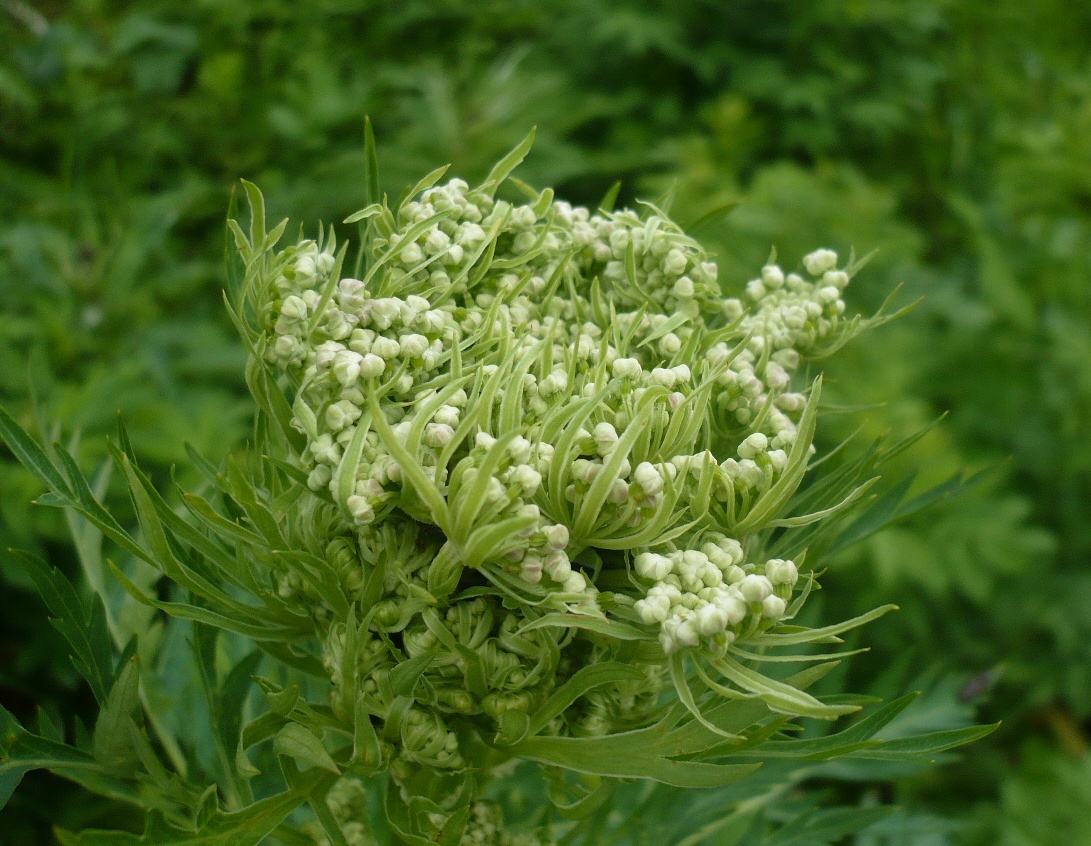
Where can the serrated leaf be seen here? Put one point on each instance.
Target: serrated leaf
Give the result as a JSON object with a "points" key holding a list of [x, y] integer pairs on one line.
{"points": [[85, 632], [112, 741]]}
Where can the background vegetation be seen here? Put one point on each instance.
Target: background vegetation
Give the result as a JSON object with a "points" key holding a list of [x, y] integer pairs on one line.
{"points": [[953, 136]]}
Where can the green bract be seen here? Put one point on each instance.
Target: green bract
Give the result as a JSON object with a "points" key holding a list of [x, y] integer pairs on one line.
{"points": [[525, 485]]}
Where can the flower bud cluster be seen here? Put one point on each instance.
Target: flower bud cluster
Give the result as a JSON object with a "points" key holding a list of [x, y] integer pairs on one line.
{"points": [[486, 828], [348, 802], [578, 377], [711, 594]]}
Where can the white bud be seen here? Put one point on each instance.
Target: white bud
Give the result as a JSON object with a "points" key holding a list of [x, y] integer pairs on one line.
{"points": [[372, 366], [773, 607], [627, 367], [664, 376], [341, 414], [438, 435], [532, 570], [575, 583], [413, 346], [772, 276], [753, 445], [648, 478], [651, 565], [670, 343], [683, 289], [294, 308], [711, 620], [755, 588], [605, 436], [527, 478], [346, 367], [820, 261], [446, 414], [754, 289], [781, 572], [556, 536], [557, 565], [674, 263], [360, 509]]}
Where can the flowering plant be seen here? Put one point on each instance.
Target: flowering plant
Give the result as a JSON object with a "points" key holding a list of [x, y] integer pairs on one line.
{"points": [[525, 485]]}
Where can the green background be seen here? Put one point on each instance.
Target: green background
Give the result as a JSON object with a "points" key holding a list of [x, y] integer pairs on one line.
{"points": [[952, 137]]}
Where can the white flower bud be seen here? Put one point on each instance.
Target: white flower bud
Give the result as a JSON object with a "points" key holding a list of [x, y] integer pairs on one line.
{"points": [[360, 509], [674, 263], [773, 607], [647, 476], [575, 583], [820, 261], [669, 344], [341, 414], [438, 435], [778, 459], [651, 565], [412, 346], [411, 254], [838, 278], [711, 620], [772, 277], [653, 609], [556, 536], [386, 348], [683, 289], [557, 565], [293, 308], [605, 437], [436, 241], [781, 572], [446, 414], [755, 588], [734, 608], [532, 570], [753, 445], [627, 367], [664, 376], [346, 367], [527, 478], [372, 366], [520, 449]]}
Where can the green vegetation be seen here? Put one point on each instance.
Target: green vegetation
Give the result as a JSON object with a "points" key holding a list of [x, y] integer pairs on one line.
{"points": [[952, 137]]}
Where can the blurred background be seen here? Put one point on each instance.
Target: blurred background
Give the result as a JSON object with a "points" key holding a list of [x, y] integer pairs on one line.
{"points": [[952, 136]]}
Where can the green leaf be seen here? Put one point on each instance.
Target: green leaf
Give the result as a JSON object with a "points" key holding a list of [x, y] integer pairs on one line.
{"points": [[83, 627], [298, 743], [506, 165], [817, 828], [586, 679], [30, 455], [818, 635], [371, 164], [112, 741], [246, 827]]}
